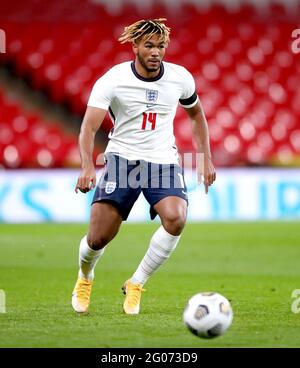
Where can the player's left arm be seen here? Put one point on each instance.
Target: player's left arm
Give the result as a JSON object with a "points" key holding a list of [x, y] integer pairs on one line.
{"points": [[201, 136]]}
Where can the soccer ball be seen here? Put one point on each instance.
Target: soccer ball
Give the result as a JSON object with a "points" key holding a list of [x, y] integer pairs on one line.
{"points": [[207, 314]]}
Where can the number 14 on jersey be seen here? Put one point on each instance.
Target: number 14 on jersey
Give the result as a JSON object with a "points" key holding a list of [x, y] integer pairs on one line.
{"points": [[149, 120]]}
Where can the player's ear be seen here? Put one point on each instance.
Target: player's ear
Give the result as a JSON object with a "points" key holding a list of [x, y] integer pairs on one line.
{"points": [[135, 48]]}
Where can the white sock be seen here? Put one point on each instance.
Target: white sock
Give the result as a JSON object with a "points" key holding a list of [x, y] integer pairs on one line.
{"points": [[88, 259], [161, 246]]}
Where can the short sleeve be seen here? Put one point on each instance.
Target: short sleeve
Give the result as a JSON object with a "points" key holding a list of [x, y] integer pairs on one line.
{"points": [[102, 92], [189, 96]]}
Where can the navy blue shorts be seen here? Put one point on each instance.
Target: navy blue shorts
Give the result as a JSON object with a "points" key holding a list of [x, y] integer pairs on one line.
{"points": [[123, 181]]}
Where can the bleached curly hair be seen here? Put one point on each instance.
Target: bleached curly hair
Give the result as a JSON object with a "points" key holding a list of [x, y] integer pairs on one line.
{"points": [[149, 27]]}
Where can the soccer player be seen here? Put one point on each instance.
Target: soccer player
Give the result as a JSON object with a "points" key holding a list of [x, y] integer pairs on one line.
{"points": [[141, 97]]}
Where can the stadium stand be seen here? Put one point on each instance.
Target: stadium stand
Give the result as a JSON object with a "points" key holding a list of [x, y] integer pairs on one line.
{"points": [[246, 74], [27, 141]]}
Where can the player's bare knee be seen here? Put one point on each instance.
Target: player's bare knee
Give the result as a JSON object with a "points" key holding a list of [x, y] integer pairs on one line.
{"points": [[174, 223], [98, 242]]}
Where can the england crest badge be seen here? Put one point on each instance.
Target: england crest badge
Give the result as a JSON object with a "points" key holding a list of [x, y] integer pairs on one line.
{"points": [[151, 95], [110, 187]]}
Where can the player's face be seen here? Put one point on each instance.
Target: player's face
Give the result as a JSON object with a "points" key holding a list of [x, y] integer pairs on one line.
{"points": [[150, 53]]}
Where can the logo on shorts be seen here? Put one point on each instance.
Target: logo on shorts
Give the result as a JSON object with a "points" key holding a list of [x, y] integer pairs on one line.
{"points": [[151, 95], [110, 187]]}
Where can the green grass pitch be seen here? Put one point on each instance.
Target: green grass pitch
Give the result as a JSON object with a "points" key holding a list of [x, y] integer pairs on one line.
{"points": [[255, 265]]}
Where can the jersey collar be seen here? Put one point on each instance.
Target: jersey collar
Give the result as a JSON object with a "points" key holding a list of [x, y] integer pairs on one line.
{"points": [[160, 74]]}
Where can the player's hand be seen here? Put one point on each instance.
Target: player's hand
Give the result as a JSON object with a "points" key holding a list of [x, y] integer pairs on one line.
{"points": [[206, 172], [86, 180]]}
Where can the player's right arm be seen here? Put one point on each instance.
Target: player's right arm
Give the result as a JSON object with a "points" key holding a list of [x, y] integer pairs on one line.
{"points": [[92, 121]]}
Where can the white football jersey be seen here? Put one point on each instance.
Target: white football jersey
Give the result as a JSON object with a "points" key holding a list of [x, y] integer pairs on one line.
{"points": [[143, 110]]}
